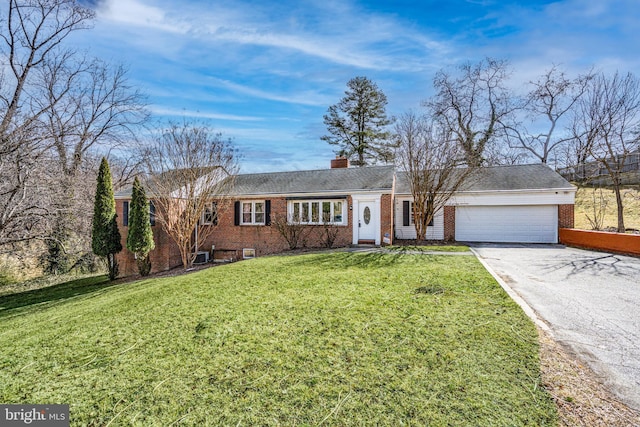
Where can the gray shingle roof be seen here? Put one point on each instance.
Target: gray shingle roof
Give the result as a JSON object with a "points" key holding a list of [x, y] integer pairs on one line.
{"points": [[346, 180], [380, 178], [505, 178]]}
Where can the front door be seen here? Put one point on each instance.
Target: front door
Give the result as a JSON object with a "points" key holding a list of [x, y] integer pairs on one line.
{"points": [[366, 222]]}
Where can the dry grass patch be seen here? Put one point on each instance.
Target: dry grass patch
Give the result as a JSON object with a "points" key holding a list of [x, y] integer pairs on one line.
{"points": [[585, 204], [581, 399]]}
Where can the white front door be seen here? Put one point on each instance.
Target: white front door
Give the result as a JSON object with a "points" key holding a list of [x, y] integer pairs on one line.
{"points": [[367, 221]]}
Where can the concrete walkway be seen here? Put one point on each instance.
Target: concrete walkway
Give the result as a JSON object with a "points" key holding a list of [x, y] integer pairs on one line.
{"points": [[589, 300]]}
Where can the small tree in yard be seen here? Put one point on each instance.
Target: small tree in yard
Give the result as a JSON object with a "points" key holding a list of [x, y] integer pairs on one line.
{"points": [[190, 168], [140, 237], [430, 158], [105, 236]]}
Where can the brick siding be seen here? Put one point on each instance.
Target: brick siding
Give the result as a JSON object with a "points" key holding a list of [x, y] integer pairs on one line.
{"points": [[230, 239], [449, 223], [565, 216]]}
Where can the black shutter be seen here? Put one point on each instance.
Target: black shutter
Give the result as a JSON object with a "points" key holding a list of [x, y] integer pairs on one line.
{"points": [[405, 213], [152, 214], [430, 206], [125, 214], [267, 212], [236, 213], [214, 212]]}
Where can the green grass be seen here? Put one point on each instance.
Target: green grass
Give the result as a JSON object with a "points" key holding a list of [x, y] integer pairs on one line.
{"points": [[584, 206], [320, 339], [429, 248]]}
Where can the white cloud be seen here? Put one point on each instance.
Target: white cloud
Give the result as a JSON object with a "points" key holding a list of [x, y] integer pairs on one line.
{"points": [[138, 14], [340, 35], [303, 98], [162, 111]]}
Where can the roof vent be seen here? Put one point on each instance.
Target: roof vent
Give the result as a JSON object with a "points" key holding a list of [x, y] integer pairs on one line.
{"points": [[339, 162]]}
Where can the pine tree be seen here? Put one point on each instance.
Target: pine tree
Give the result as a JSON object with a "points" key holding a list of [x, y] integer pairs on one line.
{"points": [[358, 124], [105, 237], [140, 237]]}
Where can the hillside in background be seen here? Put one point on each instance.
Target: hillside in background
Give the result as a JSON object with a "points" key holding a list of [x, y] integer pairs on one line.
{"points": [[585, 206]]}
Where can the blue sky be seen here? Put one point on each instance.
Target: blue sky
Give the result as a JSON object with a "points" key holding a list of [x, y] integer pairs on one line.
{"points": [[263, 72]]}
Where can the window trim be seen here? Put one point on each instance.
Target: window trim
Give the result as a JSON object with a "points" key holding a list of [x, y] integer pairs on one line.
{"points": [[309, 203], [253, 212], [214, 214]]}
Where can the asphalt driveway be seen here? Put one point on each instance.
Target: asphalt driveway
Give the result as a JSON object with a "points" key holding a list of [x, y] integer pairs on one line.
{"points": [[589, 300]]}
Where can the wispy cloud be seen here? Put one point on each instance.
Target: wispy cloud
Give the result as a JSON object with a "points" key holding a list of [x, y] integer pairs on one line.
{"points": [[163, 111], [351, 37], [307, 97], [136, 13]]}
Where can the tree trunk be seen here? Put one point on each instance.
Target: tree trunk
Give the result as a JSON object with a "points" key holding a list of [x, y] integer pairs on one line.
{"points": [[616, 189]]}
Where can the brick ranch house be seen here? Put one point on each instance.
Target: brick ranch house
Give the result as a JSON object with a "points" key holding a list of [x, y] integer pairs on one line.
{"points": [[368, 205]]}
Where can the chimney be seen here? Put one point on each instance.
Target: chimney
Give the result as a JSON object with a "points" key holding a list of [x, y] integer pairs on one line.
{"points": [[339, 162]]}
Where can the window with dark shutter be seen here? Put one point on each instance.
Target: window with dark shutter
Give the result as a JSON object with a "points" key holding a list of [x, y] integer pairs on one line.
{"points": [[236, 213], [267, 212], [125, 214], [152, 214], [406, 213]]}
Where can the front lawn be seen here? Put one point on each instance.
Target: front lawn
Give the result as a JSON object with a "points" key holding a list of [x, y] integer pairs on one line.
{"points": [[331, 339]]}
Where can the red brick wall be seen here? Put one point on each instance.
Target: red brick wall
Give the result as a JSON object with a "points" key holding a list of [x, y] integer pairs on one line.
{"points": [[165, 256], [449, 223], [230, 239], [266, 239], [565, 216], [386, 217], [601, 241]]}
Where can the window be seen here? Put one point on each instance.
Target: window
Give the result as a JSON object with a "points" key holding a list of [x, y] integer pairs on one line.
{"points": [[210, 215], [152, 214], [125, 214], [253, 213], [126, 207], [411, 221], [316, 211]]}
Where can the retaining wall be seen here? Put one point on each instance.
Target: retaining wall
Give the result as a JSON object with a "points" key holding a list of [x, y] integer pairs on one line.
{"points": [[601, 240]]}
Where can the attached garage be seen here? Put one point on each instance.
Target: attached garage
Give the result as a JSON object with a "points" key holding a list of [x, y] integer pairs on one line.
{"points": [[506, 224], [500, 204]]}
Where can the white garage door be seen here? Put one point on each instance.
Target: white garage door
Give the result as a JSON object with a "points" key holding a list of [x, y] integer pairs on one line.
{"points": [[524, 224]]}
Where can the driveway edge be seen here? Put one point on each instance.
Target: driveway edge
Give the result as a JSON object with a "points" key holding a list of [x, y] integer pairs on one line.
{"points": [[530, 312]]}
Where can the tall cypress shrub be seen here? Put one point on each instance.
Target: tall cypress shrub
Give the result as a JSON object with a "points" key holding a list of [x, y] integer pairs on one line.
{"points": [[105, 237], [140, 237]]}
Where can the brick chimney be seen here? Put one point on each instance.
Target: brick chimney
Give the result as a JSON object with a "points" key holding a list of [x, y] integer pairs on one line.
{"points": [[339, 162]]}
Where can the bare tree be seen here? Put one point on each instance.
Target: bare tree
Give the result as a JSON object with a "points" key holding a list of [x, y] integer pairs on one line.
{"points": [[97, 106], [430, 159], [189, 168], [56, 108], [472, 105], [607, 124], [93, 107], [31, 34], [550, 100]]}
